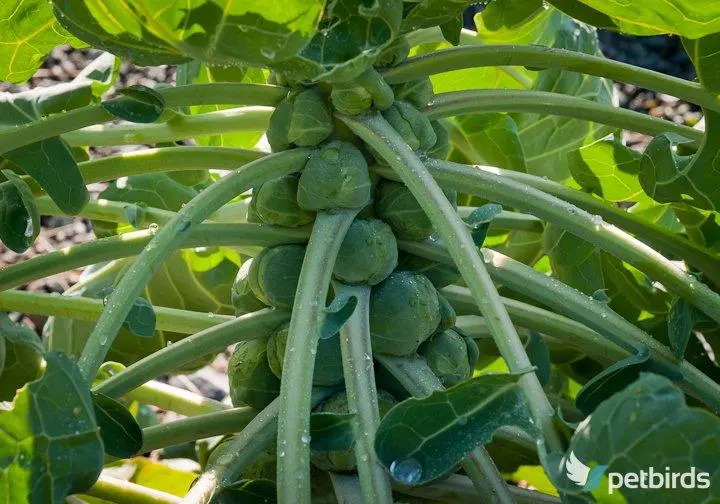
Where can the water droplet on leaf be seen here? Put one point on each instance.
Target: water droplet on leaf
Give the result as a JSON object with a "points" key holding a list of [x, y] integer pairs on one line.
{"points": [[406, 471]]}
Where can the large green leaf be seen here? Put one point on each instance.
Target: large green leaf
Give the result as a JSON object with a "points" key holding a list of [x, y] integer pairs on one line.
{"points": [[420, 440], [19, 216], [23, 357], [688, 18], [50, 445], [349, 39], [223, 32], [547, 139], [649, 425], [609, 169], [489, 139], [28, 31]]}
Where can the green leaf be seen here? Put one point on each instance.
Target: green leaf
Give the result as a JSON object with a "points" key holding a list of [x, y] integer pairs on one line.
{"points": [[23, 357], [257, 491], [701, 226], [50, 162], [100, 74], [631, 292], [49, 443], [162, 477], [331, 431], [19, 216], [682, 321], [339, 311], [121, 434], [648, 425], [138, 104], [687, 18], [451, 30], [611, 380], [574, 261], [420, 440], [547, 139], [28, 31], [489, 139], [591, 16], [480, 219], [429, 13], [609, 169], [219, 32], [351, 36]]}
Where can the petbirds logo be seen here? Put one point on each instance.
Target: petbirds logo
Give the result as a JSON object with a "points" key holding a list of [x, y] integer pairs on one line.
{"points": [[582, 475]]}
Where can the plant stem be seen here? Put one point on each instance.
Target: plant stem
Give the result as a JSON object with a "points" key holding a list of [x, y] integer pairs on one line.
{"points": [[418, 379], [347, 488], [665, 241], [243, 448], [293, 475], [216, 423], [541, 102], [570, 332], [196, 94], [169, 238], [124, 492], [133, 243], [581, 223], [459, 490], [362, 396], [376, 132], [181, 127], [213, 339], [545, 57], [83, 308], [573, 303], [107, 210], [175, 399]]}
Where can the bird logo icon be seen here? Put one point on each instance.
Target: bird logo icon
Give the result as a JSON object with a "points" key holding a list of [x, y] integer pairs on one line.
{"points": [[582, 475]]}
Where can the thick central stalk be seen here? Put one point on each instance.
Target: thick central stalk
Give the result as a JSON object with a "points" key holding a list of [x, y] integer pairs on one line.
{"points": [[308, 315], [380, 135]]}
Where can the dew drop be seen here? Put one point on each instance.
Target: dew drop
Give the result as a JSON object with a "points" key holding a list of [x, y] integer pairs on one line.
{"points": [[305, 439], [153, 228], [29, 229], [406, 471], [462, 421], [76, 410]]}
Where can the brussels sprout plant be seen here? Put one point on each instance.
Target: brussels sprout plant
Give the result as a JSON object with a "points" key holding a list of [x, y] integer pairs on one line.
{"points": [[444, 275]]}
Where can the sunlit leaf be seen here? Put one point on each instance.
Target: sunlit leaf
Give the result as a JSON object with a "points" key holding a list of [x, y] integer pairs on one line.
{"points": [[427, 13], [489, 139], [28, 31], [49, 443], [575, 261], [420, 440], [222, 32]]}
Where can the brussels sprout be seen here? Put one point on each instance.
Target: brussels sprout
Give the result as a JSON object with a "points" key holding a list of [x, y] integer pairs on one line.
{"points": [[411, 124], [276, 203], [344, 460], [368, 253], [274, 274], [404, 312], [442, 147], [396, 205], [440, 274], [451, 355], [395, 53], [242, 295], [303, 119], [328, 360], [251, 380], [351, 100], [447, 314], [418, 92], [336, 176]]}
